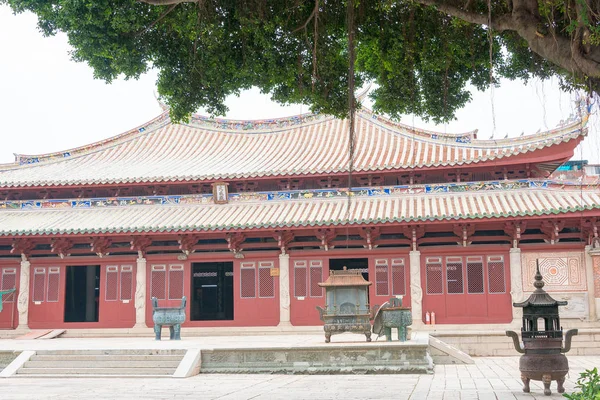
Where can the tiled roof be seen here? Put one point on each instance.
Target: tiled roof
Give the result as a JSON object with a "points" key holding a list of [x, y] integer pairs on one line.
{"points": [[306, 212], [207, 149]]}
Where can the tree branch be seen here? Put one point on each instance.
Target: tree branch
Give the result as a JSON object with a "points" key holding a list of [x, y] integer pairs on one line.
{"points": [[166, 2], [501, 23], [523, 20], [164, 14], [311, 16]]}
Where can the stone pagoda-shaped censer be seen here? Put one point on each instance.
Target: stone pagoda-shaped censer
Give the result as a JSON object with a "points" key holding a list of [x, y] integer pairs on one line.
{"points": [[543, 358]]}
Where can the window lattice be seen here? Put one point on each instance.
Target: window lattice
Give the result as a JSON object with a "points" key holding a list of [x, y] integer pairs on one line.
{"points": [[381, 278], [434, 278], [248, 281], [398, 278], [475, 276], [316, 276], [454, 275], [266, 283], [112, 278], [39, 285], [53, 284], [158, 282], [496, 280], [175, 282], [300, 280], [126, 282], [9, 281]]}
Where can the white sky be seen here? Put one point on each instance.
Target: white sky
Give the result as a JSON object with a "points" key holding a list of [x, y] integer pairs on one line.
{"points": [[49, 103]]}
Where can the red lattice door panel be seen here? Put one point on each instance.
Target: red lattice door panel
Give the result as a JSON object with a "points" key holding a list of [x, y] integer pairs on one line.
{"points": [[117, 307], [391, 279], [466, 289], [9, 279], [258, 301], [46, 297], [305, 292], [167, 284]]}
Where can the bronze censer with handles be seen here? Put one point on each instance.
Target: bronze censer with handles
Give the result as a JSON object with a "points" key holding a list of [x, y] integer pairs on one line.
{"points": [[543, 356]]}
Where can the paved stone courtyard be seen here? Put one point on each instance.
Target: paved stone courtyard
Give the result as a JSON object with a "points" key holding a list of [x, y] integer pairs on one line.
{"points": [[489, 378]]}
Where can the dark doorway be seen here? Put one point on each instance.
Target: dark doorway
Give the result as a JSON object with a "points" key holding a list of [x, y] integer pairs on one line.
{"points": [[337, 264], [82, 293], [212, 291]]}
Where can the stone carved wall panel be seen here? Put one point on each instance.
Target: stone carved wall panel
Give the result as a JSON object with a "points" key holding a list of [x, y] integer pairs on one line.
{"points": [[562, 271], [596, 275]]}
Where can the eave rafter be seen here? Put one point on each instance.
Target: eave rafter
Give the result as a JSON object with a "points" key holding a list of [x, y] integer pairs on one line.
{"points": [[590, 229], [370, 235], [61, 246], [284, 238], [326, 236], [100, 246], [187, 243], [515, 230], [465, 233], [22, 246], [414, 233], [551, 229], [141, 245], [235, 243]]}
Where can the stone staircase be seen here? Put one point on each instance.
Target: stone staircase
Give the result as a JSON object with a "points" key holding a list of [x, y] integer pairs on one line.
{"points": [[155, 363]]}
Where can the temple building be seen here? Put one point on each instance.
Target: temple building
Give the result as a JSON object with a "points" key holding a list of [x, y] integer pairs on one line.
{"points": [[245, 218]]}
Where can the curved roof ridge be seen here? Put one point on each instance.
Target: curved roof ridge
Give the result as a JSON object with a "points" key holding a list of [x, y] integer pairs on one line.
{"points": [[282, 123], [469, 139], [26, 159], [419, 131]]}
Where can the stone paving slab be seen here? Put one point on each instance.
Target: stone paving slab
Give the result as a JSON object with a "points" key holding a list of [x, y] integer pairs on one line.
{"points": [[494, 378], [204, 342]]}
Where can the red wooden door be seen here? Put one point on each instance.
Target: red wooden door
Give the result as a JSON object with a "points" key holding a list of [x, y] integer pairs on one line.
{"points": [[9, 279], [305, 293], [391, 279], [117, 287], [258, 300], [46, 299], [466, 289], [167, 282]]}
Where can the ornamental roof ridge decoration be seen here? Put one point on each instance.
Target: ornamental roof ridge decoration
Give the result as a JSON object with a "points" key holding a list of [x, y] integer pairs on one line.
{"points": [[301, 213], [209, 149], [276, 124], [285, 195]]}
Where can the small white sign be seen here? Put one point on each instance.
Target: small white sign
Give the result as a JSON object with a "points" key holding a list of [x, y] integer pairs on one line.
{"points": [[300, 298], [125, 301], [37, 303]]}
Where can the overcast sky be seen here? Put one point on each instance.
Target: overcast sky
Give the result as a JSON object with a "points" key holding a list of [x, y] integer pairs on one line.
{"points": [[49, 103]]}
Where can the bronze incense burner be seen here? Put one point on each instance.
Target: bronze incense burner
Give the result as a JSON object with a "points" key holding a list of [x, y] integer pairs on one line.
{"points": [[543, 356], [347, 305]]}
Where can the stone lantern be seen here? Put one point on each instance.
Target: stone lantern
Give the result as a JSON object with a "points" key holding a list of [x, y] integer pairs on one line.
{"points": [[543, 358], [347, 305]]}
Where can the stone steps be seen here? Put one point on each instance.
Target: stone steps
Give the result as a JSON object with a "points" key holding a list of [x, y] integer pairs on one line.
{"points": [[107, 363], [93, 357], [135, 362], [96, 371]]}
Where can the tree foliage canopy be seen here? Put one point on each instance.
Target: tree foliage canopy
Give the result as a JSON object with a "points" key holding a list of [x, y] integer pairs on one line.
{"points": [[421, 53]]}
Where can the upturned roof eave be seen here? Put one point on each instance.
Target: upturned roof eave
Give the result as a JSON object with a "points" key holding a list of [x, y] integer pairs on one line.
{"points": [[567, 136]]}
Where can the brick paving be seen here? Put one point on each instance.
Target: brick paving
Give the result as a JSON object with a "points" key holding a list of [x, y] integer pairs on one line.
{"points": [[489, 378]]}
